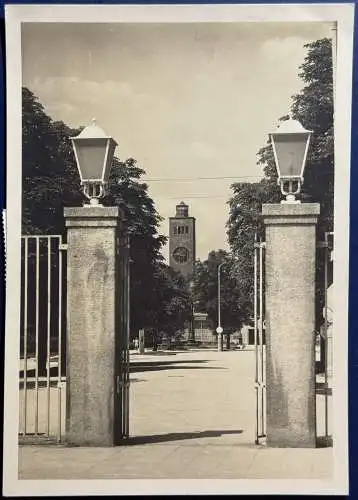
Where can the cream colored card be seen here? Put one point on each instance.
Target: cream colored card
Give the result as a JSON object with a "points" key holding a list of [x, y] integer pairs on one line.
{"points": [[191, 92]]}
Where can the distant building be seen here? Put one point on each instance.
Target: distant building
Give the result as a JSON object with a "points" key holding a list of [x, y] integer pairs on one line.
{"points": [[204, 331], [247, 335], [182, 241]]}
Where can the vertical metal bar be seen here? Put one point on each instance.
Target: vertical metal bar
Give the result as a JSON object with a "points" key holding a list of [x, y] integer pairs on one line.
{"points": [[219, 298], [37, 334], [220, 335], [59, 393], [122, 285], [48, 332], [26, 269], [255, 340], [326, 251], [125, 340], [261, 338], [123, 335], [59, 411], [264, 345], [334, 59], [128, 335]]}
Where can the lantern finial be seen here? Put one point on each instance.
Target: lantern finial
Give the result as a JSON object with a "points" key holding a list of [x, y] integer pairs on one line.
{"points": [[290, 144], [94, 151]]}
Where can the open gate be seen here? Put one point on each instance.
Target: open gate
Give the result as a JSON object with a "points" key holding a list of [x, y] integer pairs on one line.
{"points": [[122, 368], [42, 367], [324, 353], [259, 340], [42, 377], [323, 348]]}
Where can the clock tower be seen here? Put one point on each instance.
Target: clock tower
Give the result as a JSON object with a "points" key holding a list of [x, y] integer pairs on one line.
{"points": [[182, 241]]}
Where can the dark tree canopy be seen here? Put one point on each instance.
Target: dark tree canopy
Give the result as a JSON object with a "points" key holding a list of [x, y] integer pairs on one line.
{"points": [[51, 182], [234, 299]]}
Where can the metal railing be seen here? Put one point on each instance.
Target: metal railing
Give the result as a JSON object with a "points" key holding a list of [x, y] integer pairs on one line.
{"points": [[42, 352], [327, 247], [260, 350], [322, 389]]}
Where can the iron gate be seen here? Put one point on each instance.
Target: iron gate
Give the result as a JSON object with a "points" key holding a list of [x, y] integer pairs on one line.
{"points": [[42, 336], [260, 349], [323, 354], [42, 370], [122, 368]]}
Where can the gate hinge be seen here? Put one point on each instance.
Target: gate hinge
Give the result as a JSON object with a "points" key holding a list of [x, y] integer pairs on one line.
{"points": [[120, 384], [260, 245], [63, 246]]}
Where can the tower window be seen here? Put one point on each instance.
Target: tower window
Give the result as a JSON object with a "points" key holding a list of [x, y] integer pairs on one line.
{"points": [[181, 230]]}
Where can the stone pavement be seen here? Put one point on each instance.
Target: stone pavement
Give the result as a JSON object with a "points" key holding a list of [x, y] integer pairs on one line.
{"points": [[192, 416]]}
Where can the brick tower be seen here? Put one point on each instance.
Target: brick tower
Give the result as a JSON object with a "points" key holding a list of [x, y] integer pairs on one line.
{"points": [[182, 241]]}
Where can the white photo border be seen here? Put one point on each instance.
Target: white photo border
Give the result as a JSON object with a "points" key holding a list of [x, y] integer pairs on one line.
{"points": [[343, 14]]}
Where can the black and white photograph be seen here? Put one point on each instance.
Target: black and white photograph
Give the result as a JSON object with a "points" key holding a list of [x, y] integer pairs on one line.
{"points": [[177, 249]]}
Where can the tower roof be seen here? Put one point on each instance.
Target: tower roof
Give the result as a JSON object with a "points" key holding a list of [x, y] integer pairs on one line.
{"points": [[182, 210]]}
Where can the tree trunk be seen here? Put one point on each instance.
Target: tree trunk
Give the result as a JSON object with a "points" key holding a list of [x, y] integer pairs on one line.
{"points": [[322, 362], [155, 344], [228, 341]]}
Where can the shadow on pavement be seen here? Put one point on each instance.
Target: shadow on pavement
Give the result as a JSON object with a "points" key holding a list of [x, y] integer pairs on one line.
{"points": [[322, 389], [31, 372], [178, 436], [169, 365], [134, 367], [145, 368], [324, 442], [176, 362]]}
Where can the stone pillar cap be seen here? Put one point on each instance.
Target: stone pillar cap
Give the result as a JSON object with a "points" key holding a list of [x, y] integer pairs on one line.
{"points": [[93, 215], [92, 211], [290, 213], [272, 209]]}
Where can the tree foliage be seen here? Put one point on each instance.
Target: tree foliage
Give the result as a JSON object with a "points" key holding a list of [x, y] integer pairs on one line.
{"points": [[234, 305], [313, 107], [51, 182]]}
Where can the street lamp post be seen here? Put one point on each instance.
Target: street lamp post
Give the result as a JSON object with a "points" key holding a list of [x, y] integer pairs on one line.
{"points": [[219, 329], [96, 300], [290, 266]]}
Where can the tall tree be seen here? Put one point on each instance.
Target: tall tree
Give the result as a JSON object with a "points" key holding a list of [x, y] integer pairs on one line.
{"points": [[51, 181], [170, 302], [49, 175], [313, 107], [233, 296]]}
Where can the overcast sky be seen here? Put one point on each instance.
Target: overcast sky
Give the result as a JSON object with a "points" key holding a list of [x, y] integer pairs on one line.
{"points": [[186, 100]]}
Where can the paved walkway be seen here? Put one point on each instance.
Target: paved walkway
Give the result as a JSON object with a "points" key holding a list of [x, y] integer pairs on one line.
{"points": [[192, 416]]}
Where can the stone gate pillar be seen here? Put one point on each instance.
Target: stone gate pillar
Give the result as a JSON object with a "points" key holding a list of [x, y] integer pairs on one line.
{"points": [[92, 409], [290, 268]]}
